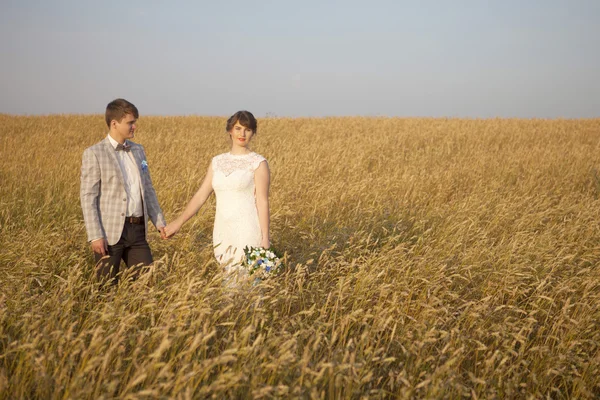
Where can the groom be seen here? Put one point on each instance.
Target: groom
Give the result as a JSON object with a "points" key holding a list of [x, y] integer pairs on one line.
{"points": [[117, 195]]}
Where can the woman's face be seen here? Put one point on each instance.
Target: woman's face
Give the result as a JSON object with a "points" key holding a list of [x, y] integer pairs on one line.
{"points": [[240, 135]]}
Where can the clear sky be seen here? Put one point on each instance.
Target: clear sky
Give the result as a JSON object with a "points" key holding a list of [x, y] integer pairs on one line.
{"points": [[460, 58]]}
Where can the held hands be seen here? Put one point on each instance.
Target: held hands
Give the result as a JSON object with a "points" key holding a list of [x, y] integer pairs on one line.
{"points": [[171, 229], [163, 235]]}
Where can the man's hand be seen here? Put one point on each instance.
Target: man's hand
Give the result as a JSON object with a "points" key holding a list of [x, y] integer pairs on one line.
{"points": [[100, 246], [163, 235]]}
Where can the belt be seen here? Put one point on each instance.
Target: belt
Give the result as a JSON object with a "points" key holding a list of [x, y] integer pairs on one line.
{"points": [[135, 220]]}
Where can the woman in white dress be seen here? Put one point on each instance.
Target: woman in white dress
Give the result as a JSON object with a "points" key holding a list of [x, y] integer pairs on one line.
{"points": [[240, 180]]}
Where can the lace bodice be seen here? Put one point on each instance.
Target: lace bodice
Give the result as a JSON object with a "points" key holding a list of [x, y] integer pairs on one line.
{"points": [[228, 163]]}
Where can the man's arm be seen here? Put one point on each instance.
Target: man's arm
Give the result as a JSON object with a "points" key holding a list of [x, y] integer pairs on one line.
{"points": [[89, 193], [154, 211]]}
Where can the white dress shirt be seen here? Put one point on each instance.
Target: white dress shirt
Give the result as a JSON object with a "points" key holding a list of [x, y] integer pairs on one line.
{"points": [[131, 177]]}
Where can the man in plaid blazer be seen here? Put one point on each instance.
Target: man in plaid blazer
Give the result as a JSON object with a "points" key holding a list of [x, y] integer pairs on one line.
{"points": [[117, 195]]}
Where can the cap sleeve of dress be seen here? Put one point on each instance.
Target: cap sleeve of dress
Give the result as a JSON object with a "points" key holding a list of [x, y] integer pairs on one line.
{"points": [[256, 160], [215, 160]]}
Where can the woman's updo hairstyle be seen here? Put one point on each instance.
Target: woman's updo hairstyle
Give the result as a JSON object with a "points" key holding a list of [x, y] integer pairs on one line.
{"points": [[245, 118]]}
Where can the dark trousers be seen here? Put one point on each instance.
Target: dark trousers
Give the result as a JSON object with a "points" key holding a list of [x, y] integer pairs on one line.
{"points": [[132, 248]]}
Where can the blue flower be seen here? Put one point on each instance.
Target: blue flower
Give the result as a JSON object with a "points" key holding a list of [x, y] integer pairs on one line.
{"points": [[268, 269], [144, 165], [260, 262]]}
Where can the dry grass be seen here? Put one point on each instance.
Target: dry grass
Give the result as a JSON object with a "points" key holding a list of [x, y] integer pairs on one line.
{"points": [[428, 258]]}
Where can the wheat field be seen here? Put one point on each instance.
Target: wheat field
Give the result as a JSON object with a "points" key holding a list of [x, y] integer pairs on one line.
{"points": [[426, 258]]}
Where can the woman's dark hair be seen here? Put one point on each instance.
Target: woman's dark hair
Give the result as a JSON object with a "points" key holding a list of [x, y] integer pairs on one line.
{"points": [[245, 118]]}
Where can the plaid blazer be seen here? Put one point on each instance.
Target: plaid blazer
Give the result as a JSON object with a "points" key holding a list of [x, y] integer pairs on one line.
{"points": [[103, 196]]}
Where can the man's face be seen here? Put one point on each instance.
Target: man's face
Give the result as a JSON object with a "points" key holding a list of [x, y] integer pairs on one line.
{"points": [[124, 129]]}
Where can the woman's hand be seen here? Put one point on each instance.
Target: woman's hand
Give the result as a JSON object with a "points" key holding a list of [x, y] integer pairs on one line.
{"points": [[265, 244], [172, 228]]}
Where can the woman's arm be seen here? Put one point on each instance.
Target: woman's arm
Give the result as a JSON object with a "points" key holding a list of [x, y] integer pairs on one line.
{"points": [[194, 205], [261, 183]]}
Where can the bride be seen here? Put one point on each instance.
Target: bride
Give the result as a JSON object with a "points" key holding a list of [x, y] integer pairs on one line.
{"points": [[240, 180]]}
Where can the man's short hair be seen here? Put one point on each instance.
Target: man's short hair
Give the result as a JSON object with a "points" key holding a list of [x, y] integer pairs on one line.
{"points": [[118, 108]]}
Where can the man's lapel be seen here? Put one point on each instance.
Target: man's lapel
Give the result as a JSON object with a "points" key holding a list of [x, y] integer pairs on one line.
{"points": [[112, 155], [137, 158]]}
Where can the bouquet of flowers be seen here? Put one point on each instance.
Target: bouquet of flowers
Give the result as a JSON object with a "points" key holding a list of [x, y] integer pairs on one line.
{"points": [[262, 263]]}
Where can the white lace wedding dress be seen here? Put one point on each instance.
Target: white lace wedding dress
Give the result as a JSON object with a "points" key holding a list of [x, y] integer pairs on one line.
{"points": [[236, 217]]}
